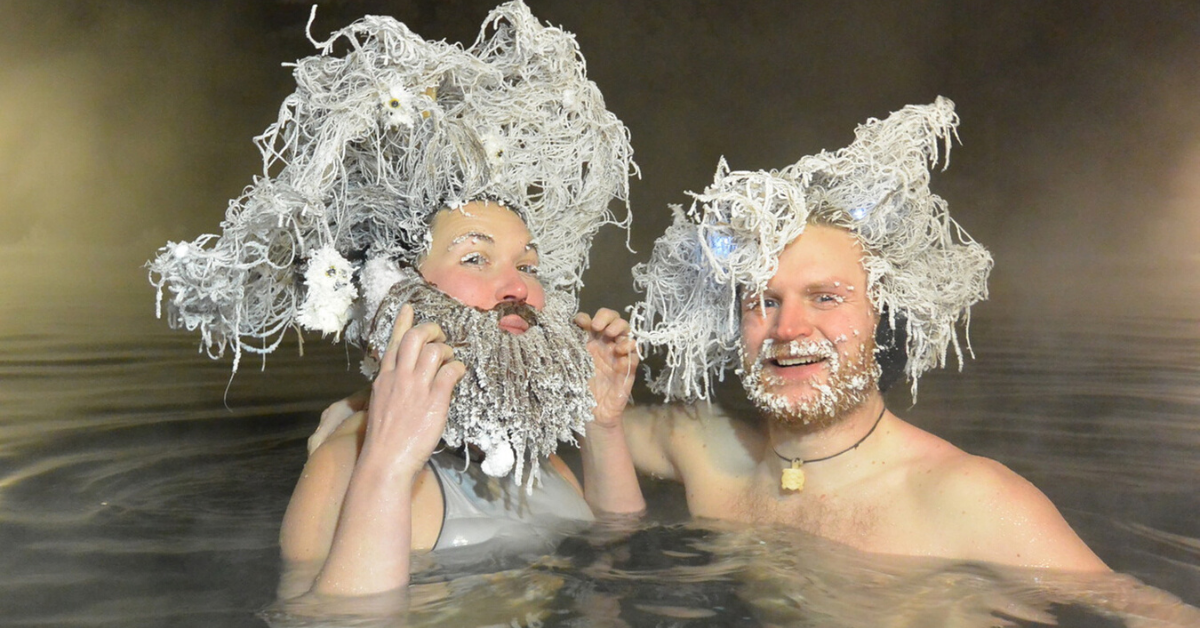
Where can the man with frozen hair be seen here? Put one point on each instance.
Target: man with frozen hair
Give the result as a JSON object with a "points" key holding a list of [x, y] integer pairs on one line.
{"points": [[805, 281]]}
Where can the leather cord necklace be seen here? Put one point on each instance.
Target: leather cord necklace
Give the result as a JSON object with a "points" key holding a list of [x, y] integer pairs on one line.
{"points": [[793, 477]]}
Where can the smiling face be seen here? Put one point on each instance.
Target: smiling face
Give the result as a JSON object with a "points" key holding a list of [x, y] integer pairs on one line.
{"points": [[482, 255], [808, 339]]}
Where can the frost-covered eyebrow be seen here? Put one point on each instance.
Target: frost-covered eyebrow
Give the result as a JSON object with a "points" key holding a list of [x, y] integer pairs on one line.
{"points": [[479, 235], [829, 285], [471, 235]]}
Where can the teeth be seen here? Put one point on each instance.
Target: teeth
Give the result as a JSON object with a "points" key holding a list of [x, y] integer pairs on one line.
{"points": [[796, 361]]}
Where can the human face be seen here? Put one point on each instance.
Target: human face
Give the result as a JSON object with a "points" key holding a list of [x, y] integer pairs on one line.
{"points": [[808, 339], [482, 255], [512, 412]]}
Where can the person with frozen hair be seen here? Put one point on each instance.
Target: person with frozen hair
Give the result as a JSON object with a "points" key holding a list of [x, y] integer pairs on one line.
{"points": [[818, 284], [433, 205]]}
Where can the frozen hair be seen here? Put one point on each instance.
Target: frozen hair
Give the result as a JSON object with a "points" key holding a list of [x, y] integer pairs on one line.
{"points": [[922, 269], [370, 146]]}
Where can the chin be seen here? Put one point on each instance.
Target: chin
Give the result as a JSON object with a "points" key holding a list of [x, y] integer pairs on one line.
{"points": [[818, 407]]}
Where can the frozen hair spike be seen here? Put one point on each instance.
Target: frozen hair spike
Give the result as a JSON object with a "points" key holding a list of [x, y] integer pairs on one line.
{"points": [[920, 263], [730, 239], [384, 130]]}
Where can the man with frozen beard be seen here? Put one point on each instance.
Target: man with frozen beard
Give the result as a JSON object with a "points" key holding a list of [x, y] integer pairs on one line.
{"points": [[789, 277], [482, 373], [525, 387], [849, 384], [485, 171]]}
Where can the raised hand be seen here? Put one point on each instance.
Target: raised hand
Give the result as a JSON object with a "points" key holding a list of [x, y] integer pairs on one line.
{"points": [[336, 414], [610, 483], [410, 397], [365, 530], [615, 355]]}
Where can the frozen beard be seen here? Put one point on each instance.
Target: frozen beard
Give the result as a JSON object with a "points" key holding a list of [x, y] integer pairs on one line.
{"points": [[521, 394], [851, 377]]}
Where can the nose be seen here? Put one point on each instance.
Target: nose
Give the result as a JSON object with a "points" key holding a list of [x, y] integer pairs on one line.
{"points": [[510, 286], [791, 322]]}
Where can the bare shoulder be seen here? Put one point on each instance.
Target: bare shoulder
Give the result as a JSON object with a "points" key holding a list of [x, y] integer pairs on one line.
{"points": [[708, 437], [333, 460], [668, 440], [944, 474], [312, 514], [970, 481], [989, 512], [699, 421]]}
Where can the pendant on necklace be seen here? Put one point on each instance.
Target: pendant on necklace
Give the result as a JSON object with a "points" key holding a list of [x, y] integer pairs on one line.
{"points": [[793, 478]]}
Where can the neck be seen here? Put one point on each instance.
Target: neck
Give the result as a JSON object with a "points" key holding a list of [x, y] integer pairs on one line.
{"points": [[809, 444]]}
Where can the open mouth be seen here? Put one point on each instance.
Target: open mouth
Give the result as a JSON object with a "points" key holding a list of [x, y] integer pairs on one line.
{"points": [[789, 361], [799, 359]]}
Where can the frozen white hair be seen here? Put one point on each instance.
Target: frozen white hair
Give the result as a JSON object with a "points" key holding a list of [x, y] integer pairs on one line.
{"points": [[922, 268], [371, 145]]}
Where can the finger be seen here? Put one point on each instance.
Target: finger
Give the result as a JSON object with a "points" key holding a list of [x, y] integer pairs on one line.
{"points": [[404, 322], [433, 357], [449, 375], [617, 328], [603, 318], [413, 343], [625, 347], [583, 321], [443, 384]]}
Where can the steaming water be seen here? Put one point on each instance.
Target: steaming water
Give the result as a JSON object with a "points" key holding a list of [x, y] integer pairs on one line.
{"points": [[130, 495]]}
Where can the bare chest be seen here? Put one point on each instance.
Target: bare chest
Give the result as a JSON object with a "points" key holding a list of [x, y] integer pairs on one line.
{"points": [[870, 521]]}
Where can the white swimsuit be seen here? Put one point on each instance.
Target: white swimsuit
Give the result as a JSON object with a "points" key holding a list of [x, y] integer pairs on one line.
{"points": [[481, 509]]}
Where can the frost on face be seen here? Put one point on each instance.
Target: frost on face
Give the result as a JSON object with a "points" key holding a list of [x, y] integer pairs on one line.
{"points": [[850, 376]]}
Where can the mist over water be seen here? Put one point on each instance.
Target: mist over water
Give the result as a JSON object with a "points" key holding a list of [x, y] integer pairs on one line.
{"points": [[126, 124]]}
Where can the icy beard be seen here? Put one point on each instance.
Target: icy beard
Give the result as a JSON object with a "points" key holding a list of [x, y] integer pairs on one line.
{"points": [[521, 394], [851, 379]]}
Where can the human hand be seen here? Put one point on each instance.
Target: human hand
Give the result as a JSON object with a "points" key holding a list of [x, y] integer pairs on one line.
{"points": [[336, 414], [616, 358], [410, 397]]}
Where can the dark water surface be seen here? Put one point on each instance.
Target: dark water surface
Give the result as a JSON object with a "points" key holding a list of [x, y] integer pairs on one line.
{"points": [[137, 490]]}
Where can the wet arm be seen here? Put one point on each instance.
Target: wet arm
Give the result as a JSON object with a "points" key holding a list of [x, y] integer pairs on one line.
{"points": [[371, 546], [610, 481], [370, 540], [410, 399], [312, 513]]}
